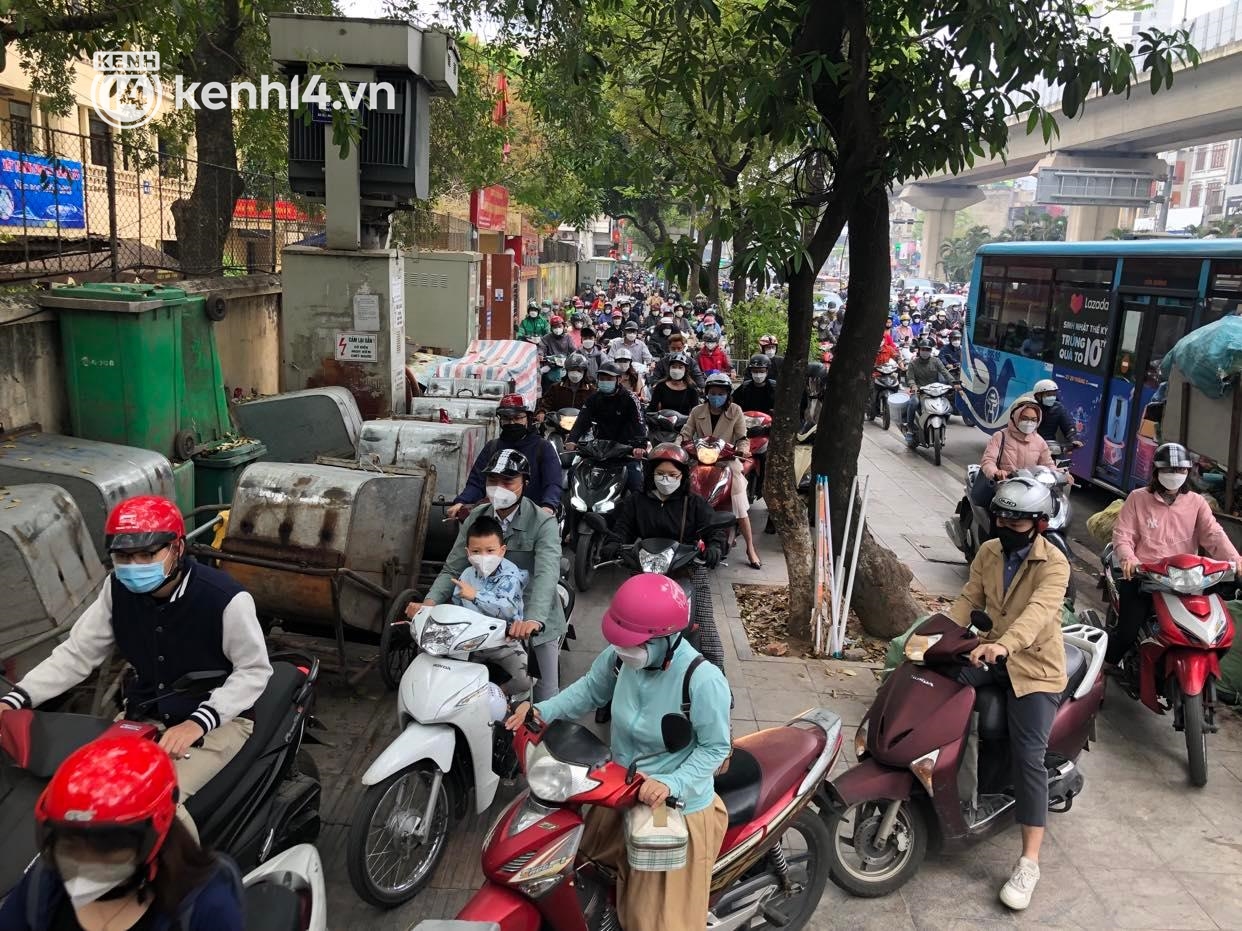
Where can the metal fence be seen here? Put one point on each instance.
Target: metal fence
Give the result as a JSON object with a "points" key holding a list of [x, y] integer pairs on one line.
{"points": [[554, 250], [92, 207]]}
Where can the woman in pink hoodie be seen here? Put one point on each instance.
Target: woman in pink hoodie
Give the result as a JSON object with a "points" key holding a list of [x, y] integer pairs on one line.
{"points": [[1163, 519], [1018, 445]]}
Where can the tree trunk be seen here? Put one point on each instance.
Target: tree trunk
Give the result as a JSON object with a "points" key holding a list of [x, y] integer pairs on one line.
{"points": [[203, 220], [736, 275], [713, 270], [882, 586]]}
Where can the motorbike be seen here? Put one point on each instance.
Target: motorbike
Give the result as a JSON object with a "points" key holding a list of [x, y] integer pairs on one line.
{"points": [[711, 478], [935, 405], [287, 892], [556, 427], [1175, 661], [265, 800], [535, 878], [597, 480], [971, 525], [665, 426], [885, 811], [758, 431], [885, 379]]}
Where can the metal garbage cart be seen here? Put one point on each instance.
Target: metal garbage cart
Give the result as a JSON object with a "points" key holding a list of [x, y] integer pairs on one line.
{"points": [[300, 426]]}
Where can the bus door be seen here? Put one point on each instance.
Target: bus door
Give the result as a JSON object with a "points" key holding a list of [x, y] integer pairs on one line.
{"points": [[1149, 326]]}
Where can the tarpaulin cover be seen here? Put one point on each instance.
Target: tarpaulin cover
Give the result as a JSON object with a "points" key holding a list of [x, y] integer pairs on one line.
{"points": [[1208, 356], [503, 359]]}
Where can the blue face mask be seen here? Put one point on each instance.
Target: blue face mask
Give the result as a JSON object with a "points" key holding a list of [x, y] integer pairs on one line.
{"points": [[717, 400], [141, 578], [607, 387]]}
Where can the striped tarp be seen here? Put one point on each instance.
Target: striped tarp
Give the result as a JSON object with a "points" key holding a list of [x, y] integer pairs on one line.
{"points": [[502, 359]]}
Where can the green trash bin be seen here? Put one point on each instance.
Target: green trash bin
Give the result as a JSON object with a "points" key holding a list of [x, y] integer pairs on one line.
{"points": [[141, 367], [216, 473]]}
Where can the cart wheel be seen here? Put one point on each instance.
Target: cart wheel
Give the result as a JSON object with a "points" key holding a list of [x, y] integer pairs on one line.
{"points": [[397, 647], [184, 443], [217, 309]]}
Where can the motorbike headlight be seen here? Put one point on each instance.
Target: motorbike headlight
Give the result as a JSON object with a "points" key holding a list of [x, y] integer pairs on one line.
{"points": [[656, 562], [553, 780], [707, 455], [860, 741], [437, 639], [1186, 581], [567, 423]]}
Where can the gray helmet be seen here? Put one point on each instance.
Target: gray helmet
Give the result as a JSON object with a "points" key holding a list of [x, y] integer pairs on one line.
{"points": [[576, 360], [1172, 456], [759, 361], [718, 380], [1022, 496], [677, 358], [622, 355]]}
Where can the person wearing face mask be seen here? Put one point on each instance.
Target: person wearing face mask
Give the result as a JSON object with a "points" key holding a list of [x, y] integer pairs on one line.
{"points": [[925, 369], [758, 391], [712, 356], [493, 586], [533, 327], [629, 340], [1164, 518], [903, 333], [577, 323], [770, 347], [1019, 579], [592, 351], [572, 391], [623, 359], [167, 616], [643, 672], [680, 323], [677, 344], [951, 351], [613, 329], [1056, 420], [657, 341], [557, 342], [613, 413], [516, 433], [130, 863], [532, 542], [1018, 445], [719, 417], [676, 392]]}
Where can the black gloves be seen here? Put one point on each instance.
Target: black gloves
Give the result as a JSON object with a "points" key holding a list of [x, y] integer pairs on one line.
{"points": [[712, 557]]}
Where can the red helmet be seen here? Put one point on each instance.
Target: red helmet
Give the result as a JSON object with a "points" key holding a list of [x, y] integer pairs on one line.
{"points": [[669, 452], [125, 786], [767, 340], [511, 404], [143, 523], [644, 607], [557, 320]]}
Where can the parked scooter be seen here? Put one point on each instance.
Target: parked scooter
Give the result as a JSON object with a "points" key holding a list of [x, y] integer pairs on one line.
{"points": [[758, 431], [266, 799], [535, 878], [664, 426], [885, 379], [556, 427], [903, 792], [597, 480], [287, 892], [971, 526], [935, 405], [1175, 660]]}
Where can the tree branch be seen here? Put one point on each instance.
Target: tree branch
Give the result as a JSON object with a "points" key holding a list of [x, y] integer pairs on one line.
{"points": [[71, 22]]}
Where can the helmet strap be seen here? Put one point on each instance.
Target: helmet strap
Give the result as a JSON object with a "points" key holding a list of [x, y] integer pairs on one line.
{"points": [[672, 648]]}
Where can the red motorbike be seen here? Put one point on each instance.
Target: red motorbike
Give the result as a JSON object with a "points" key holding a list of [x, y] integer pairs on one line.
{"points": [[711, 476], [885, 811], [535, 878], [1175, 660], [758, 430]]}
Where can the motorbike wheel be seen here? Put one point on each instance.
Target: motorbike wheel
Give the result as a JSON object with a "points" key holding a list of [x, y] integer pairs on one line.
{"points": [[807, 862], [586, 554], [1196, 738], [937, 442], [397, 647], [388, 865], [862, 869], [886, 419]]}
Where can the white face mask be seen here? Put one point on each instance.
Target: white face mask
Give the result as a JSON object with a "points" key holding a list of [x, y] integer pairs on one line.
{"points": [[710, 344], [623, 364], [1028, 426], [486, 564], [575, 377], [1172, 480], [630, 337], [588, 344], [88, 882], [771, 350], [758, 377], [558, 330], [955, 343], [634, 657], [677, 372], [501, 497], [667, 484]]}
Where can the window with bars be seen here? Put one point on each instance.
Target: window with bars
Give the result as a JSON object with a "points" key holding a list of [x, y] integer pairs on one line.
{"points": [[1201, 158], [1214, 198], [21, 128], [1196, 195], [1220, 152]]}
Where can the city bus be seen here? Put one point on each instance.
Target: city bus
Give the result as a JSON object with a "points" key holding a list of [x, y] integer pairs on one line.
{"points": [[1098, 318]]}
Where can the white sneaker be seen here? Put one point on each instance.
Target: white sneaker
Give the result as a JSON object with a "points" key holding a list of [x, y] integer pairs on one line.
{"points": [[1021, 886]]}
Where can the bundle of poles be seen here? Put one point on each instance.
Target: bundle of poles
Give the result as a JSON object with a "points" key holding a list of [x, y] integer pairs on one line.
{"points": [[834, 581]]}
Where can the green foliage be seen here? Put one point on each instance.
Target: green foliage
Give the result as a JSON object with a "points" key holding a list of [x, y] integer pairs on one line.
{"points": [[751, 319], [1035, 226], [957, 255]]}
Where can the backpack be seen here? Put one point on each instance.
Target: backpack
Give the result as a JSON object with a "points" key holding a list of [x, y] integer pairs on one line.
{"points": [[39, 874]]}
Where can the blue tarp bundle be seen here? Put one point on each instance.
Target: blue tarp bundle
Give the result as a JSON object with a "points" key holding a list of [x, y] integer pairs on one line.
{"points": [[1209, 357]]}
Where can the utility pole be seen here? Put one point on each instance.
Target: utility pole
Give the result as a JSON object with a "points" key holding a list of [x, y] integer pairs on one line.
{"points": [[1162, 221]]}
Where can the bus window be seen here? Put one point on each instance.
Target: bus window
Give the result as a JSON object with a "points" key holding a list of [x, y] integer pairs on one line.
{"points": [[1224, 291], [1128, 344], [1169, 329], [1014, 310]]}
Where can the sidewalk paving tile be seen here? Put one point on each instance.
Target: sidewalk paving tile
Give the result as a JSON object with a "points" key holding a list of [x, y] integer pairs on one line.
{"points": [[1146, 899]]}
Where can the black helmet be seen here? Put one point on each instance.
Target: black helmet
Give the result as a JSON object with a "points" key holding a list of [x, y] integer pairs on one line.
{"points": [[925, 343], [816, 370], [759, 361], [508, 462], [1172, 456], [677, 358]]}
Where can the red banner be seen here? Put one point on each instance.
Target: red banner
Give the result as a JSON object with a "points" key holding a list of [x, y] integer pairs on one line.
{"points": [[248, 208], [489, 207]]}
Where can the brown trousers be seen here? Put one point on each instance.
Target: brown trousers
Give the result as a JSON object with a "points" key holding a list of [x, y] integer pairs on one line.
{"points": [[672, 901]]}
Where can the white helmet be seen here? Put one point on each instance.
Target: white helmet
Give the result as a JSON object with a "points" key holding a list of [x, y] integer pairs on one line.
{"points": [[1044, 384], [1022, 496]]}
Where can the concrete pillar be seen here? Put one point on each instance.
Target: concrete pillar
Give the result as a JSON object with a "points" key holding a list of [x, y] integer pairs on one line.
{"points": [[940, 204], [1091, 222]]}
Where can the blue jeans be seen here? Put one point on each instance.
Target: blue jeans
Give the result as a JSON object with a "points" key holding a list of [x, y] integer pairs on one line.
{"points": [[912, 409]]}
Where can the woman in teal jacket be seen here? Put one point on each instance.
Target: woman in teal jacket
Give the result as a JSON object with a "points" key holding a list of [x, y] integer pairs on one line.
{"points": [[645, 626]]}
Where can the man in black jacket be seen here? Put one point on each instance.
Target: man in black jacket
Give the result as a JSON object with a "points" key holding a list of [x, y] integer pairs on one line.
{"points": [[758, 391], [677, 343], [1056, 418], [613, 413]]}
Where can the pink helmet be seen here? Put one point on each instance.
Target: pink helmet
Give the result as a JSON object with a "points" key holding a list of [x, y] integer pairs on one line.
{"points": [[645, 606]]}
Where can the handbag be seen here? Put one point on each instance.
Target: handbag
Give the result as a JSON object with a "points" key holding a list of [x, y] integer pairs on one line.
{"points": [[656, 839]]}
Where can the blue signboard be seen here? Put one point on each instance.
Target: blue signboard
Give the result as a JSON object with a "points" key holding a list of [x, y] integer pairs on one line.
{"points": [[40, 192]]}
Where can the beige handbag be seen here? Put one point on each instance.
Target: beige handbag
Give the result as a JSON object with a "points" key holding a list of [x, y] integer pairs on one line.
{"points": [[656, 839]]}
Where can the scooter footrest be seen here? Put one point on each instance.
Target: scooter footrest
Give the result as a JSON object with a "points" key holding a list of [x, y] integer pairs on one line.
{"points": [[773, 916]]}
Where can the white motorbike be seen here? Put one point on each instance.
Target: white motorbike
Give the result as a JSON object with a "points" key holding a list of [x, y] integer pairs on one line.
{"points": [[287, 892], [935, 406], [451, 742]]}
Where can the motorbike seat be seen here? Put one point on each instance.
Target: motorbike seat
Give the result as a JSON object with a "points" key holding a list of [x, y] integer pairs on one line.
{"points": [[272, 907], [271, 717], [763, 767], [1076, 666], [990, 700]]}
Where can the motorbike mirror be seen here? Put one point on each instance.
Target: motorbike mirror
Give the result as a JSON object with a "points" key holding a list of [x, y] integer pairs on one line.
{"points": [[677, 732], [201, 681], [981, 620]]}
